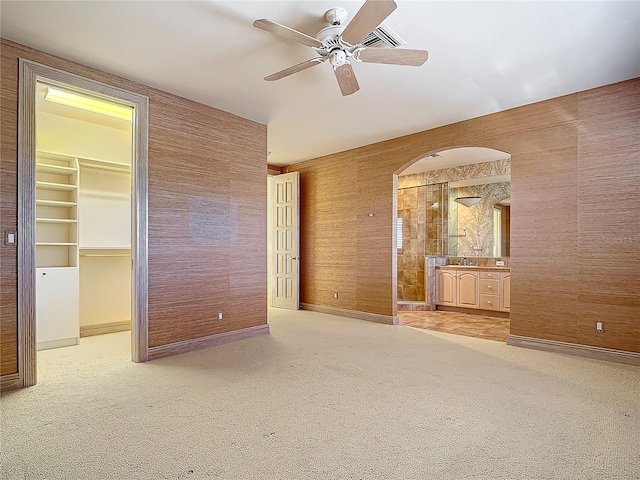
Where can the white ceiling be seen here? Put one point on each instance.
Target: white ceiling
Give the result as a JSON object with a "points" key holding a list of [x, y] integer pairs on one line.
{"points": [[483, 57]]}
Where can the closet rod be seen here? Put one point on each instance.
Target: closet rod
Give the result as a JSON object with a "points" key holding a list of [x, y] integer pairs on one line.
{"points": [[111, 168]]}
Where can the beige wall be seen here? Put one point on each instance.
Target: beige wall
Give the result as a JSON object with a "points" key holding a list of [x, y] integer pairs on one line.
{"points": [[198, 156], [571, 265]]}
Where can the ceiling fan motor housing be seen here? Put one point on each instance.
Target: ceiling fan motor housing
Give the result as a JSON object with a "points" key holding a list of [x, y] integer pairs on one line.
{"points": [[329, 35]]}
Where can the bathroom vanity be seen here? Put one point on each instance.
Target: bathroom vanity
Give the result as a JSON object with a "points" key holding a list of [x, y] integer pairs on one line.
{"points": [[481, 290]]}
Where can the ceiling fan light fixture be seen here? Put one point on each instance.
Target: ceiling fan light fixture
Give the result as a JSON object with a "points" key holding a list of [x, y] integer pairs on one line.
{"points": [[337, 58], [468, 201]]}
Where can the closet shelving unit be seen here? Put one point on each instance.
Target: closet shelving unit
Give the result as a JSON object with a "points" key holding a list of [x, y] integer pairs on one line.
{"points": [[63, 237], [57, 273], [57, 181]]}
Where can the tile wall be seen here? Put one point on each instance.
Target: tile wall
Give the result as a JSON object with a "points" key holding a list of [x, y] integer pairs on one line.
{"points": [[412, 211]]}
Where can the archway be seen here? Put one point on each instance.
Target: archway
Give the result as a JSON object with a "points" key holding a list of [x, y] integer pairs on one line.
{"points": [[452, 241]]}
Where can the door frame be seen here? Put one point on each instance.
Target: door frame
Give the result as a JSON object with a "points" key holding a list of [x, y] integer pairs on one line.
{"points": [[29, 74]]}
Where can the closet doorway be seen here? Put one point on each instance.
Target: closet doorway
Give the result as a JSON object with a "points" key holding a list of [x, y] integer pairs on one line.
{"points": [[82, 258]]}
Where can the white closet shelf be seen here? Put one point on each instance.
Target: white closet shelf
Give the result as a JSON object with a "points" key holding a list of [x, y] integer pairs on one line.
{"points": [[57, 169], [65, 187], [105, 252], [55, 244], [56, 220], [55, 203]]}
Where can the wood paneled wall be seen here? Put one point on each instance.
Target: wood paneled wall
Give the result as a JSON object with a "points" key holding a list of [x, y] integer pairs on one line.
{"points": [[207, 211], [575, 234]]}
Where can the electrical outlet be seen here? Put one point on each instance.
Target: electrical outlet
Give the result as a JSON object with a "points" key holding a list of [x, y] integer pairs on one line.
{"points": [[600, 326], [499, 263], [220, 316], [335, 295]]}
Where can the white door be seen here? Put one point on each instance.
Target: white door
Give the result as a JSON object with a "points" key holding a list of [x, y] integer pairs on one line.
{"points": [[286, 263]]}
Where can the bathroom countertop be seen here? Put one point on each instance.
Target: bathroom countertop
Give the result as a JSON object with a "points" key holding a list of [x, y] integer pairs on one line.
{"points": [[472, 267]]}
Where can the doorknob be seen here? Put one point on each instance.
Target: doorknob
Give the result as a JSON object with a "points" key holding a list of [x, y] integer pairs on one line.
{"points": [[294, 258]]}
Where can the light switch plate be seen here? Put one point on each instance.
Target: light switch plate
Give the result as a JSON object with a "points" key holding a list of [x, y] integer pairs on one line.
{"points": [[9, 238], [499, 263]]}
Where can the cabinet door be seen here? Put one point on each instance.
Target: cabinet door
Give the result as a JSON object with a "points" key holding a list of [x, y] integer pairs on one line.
{"points": [[57, 310], [505, 292], [468, 289], [446, 287]]}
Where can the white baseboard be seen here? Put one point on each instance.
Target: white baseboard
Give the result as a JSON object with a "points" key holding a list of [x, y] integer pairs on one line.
{"points": [[62, 342], [206, 342], [104, 328], [588, 351], [343, 312]]}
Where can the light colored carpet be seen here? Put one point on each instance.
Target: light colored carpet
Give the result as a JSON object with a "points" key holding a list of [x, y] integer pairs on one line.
{"points": [[324, 397]]}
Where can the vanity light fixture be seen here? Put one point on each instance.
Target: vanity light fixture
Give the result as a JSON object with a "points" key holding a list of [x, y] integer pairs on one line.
{"points": [[90, 104], [468, 201]]}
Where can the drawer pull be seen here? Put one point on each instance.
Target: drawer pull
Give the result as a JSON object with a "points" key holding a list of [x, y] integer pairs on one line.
{"points": [[489, 275], [489, 302], [489, 287]]}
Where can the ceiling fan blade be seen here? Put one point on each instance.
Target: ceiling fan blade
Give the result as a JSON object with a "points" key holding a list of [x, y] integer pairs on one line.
{"points": [[288, 33], [295, 69], [394, 56], [347, 79], [370, 15]]}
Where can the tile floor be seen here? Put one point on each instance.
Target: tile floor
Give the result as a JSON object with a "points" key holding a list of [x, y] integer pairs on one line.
{"points": [[481, 326]]}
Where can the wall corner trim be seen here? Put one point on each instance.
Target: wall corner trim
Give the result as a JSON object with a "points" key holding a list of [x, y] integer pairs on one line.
{"points": [[342, 312], [207, 342], [576, 349], [9, 382]]}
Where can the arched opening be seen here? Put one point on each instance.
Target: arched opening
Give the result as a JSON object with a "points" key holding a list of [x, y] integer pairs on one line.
{"points": [[453, 242]]}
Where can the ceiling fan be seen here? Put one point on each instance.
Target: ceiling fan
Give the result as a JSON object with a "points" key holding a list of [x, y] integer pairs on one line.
{"points": [[342, 44]]}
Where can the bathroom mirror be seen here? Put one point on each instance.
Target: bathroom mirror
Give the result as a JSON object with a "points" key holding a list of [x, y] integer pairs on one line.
{"points": [[479, 217]]}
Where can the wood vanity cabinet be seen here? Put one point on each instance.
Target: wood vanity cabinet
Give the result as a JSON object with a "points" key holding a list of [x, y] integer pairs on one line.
{"points": [[489, 290], [467, 283], [446, 287], [474, 289]]}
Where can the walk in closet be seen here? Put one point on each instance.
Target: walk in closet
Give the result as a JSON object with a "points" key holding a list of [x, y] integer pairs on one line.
{"points": [[83, 224]]}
